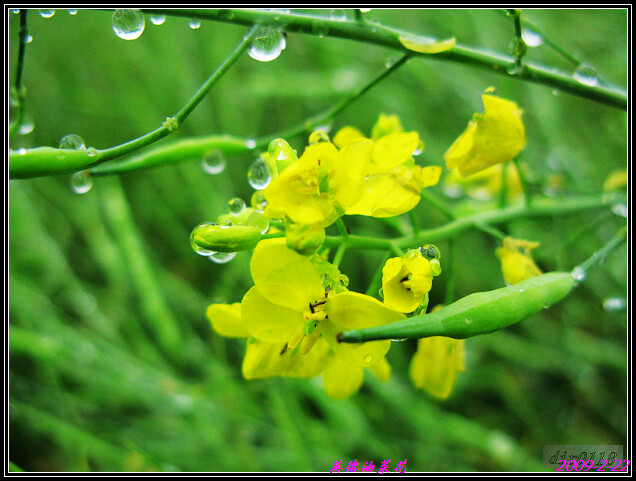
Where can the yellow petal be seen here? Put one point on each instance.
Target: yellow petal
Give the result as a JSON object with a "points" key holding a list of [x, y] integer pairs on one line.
{"points": [[340, 379], [386, 124], [267, 321], [226, 319], [347, 180], [352, 310], [285, 277], [346, 135], [360, 355], [381, 370], [516, 262], [426, 45], [392, 150], [436, 363], [384, 196]]}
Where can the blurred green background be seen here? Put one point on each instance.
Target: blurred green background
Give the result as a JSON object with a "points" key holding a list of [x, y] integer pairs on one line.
{"points": [[112, 363]]}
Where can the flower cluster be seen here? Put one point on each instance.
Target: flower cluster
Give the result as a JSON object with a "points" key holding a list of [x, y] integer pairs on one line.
{"points": [[300, 302]]}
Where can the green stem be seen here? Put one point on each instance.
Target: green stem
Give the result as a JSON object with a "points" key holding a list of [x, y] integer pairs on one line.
{"points": [[525, 186], [541, 207], [344, 232], [432, 199], [376, 282], [490, 230], [520, 46], [503, 192], [449, 268], [20, 92], [339, 254], [600, 255], [389, 37]]}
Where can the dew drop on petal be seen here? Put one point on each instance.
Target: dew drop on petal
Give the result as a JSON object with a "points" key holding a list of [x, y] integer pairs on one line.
{"points": [[81, 182], [236, 205], [214, 162], [157, 19], [72, 142], [258, 174], [267, 45], [221, 257], [318, 136], [47, 13], [586, 74], [128, 23]]}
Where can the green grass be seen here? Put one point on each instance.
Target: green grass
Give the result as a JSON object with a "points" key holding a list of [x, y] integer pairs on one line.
{"points": [[112, 363]]}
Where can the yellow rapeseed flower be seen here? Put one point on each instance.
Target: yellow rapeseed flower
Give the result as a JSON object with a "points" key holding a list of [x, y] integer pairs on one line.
{"points": [[493, 137], [516, 261], [436, 363]]}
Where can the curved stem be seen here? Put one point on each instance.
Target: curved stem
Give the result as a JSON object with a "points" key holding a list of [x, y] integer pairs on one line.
{"points": [[389, 37]]}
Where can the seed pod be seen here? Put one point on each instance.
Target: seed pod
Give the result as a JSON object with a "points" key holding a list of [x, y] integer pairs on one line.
{"points": [[49, 161], [475, 314]]}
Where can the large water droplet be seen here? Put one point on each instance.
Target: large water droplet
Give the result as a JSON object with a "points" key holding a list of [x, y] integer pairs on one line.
{"points": [[221, 257], [214, 162], [267, 45], [258, 201], [586, 74], [338, 15], [72, 142], [26, 125], [531, 38], [197, 248], [47, 13], [258, 174], [579, 274], [615, 304], [157, 19], [194, 23], [81, 182], [128, 23], [259, 221], [236, 205]]}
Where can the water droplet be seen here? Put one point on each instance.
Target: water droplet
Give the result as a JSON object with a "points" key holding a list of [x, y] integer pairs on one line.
{"points": [[531, 38], [318, 136], [28, 38], [419, 149], [338, 15], [368, 358], [91, 152], [157, 19], [250, 143], [365, 10], [267, 45], [579, 274], [613, 304], [194, 23], [72, 142], [258, 220], [221, 257], [236, 205], [468, 320], [72, 11], [22, 151], [47, 13], [398, 340], [521, 289], [81, 182], [197, 248], [620, 209], [15, 10], [214, 162], [258, 201], [556, 92], [515, 69], [26, 126], [320, 29], [258, 174], [128, 23], [586, 74], [546, 305]]}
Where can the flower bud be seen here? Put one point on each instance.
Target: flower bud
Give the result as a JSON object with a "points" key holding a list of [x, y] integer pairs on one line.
{"points": [[225, 238]]}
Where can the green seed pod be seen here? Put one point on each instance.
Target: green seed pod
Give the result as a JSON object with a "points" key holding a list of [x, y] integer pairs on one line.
{"points": [[225, 238], [24, 164], [479, 313]]}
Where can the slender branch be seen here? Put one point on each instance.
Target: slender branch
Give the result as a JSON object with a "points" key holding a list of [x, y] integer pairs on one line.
{"points": [[19, 90], [600, 255], [432, 199], [374, 286], [389, 37]]}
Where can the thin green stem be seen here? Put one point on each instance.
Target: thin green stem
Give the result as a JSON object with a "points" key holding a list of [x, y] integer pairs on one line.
{"points": [[490, 230], [173, 123], [19, 90], [389, 37], [332, 111], [339, 254], [600, 255], [376, 282], [520, 46], [414, 223], [525, 186], [273, 235], [432, 199], [449, 269], [344, 232], [503, 192]]}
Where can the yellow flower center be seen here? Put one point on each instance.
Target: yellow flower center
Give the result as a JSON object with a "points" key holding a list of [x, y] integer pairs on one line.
{"points": [[309, 332]]}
